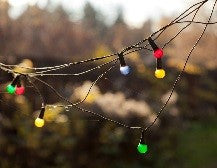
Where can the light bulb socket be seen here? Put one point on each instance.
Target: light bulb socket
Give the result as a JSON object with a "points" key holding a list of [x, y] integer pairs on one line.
{"points": [[121, 59], [159, 63], [19, 83], [142, 139], [153, 44], [16, 81], [41, 115]]}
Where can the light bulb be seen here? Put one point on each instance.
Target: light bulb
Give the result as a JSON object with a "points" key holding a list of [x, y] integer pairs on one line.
{"points": [[20, 90], [160, 73], [158, 53], [125, 70], [10, 89], [142, 148], [39, 122]]}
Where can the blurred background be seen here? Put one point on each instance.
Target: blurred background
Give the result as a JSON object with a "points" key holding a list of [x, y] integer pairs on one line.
{"points": [[52, 32]]}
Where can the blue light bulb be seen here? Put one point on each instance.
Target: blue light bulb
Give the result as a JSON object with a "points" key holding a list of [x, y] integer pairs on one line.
{"points": [[125, 70]]}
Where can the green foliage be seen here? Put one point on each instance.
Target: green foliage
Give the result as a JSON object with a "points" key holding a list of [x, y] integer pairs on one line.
{"points": [[197, 146]]}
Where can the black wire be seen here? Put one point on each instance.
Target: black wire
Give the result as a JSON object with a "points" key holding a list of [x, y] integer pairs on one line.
{"points": [[128, 50], [181, 73]]}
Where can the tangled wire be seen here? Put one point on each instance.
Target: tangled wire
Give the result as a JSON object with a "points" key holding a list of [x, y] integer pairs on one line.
{"points": [[146, 44]]}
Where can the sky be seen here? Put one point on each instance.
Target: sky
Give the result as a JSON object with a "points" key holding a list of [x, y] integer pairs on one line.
{"points": [[135, 11]]}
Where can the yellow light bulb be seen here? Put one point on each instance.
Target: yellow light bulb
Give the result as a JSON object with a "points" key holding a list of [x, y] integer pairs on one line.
{"points": [[160, 73], [39, 122]]}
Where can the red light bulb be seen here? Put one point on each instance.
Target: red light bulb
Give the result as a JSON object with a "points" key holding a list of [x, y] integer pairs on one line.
{"points": [[158, 53], [20, 90]]}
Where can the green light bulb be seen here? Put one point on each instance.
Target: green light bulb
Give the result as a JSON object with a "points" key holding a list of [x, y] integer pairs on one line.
{"points": [[10, 89], [142, 148]]}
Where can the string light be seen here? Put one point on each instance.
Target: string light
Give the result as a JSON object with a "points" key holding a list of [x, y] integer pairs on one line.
{"points": [[11, 88], [15, 86], [124, 69], [159, 72], [39, 121], [158, 52], [142, 148], [20, 90]]}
